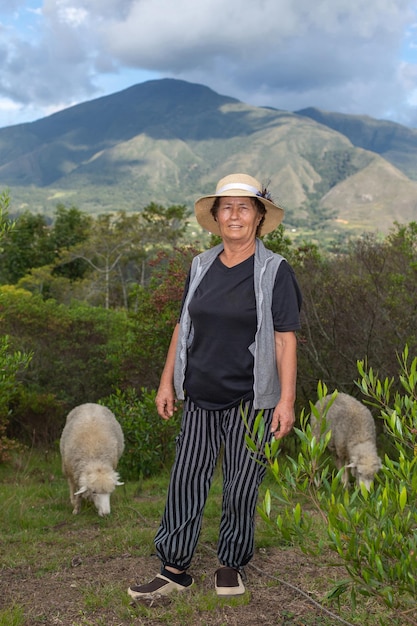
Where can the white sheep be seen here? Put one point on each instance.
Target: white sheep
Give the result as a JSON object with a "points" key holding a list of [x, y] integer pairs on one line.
{"points": [[353, 437], [91, 445]]}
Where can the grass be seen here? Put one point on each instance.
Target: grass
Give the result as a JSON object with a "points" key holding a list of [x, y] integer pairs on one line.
{"points": [[36, 508], [12, 616], [39, 534]]}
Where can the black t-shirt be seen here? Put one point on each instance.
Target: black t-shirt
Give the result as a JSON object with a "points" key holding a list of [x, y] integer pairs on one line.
{"points": [[219, 370]]}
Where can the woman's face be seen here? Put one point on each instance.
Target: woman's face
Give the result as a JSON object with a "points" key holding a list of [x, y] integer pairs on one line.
{"points": [[238, 218]]}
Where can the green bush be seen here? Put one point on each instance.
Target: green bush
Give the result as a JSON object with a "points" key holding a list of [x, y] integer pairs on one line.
{"points": [[372, 534], [77, 350], [37, 418], [11, 363], [149, 440], [352, 302]]}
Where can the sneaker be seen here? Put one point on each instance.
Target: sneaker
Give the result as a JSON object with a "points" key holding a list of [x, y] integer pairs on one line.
{"points": [[159, 586], [228, 582]]}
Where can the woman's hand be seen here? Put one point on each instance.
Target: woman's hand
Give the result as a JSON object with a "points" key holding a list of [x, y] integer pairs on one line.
{"points": [[283, 420], [165, 401]]}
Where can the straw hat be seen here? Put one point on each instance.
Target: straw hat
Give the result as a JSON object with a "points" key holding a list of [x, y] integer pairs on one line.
{"points": [[238, 185]]}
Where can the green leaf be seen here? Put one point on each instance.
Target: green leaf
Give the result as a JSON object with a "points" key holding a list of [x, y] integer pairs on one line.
{"points": [[250, 443], [403, 498], [267, 502], [297, 514]]}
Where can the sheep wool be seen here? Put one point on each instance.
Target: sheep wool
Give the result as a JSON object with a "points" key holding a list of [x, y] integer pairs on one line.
{"points": [[353, 436], [91, 445]]}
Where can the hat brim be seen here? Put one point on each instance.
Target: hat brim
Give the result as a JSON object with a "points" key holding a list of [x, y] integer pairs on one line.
{"points": [[202, 208]]}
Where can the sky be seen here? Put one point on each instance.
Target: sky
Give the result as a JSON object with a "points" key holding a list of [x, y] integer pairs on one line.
{"points": [[346, 56]]}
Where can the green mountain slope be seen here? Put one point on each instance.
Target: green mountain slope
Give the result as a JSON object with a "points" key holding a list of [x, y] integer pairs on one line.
{"points": [[169, 141], [396, 143]]}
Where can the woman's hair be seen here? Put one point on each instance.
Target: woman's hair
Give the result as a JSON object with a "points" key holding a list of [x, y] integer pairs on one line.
{"points": [[258, 204]]}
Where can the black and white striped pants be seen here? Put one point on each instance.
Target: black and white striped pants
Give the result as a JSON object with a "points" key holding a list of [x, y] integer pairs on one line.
{"points": [[200, 439]]}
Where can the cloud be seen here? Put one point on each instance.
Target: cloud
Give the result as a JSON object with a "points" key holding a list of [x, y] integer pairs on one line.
{"points": [[351, 56]]}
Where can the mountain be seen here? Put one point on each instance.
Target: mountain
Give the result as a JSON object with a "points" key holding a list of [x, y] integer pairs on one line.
{"points": [[169, 141], [396, 143]]}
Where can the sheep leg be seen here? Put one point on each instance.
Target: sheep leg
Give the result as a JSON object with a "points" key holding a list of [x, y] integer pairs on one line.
{"points": [[75, 500], [77, 505], [345, 476]]}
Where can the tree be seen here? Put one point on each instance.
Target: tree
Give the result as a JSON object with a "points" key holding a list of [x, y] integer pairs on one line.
{"points": [[121, 246], [6, 225], [153, 319], [34, 242], [357, 305], [25, 246], [102, 252], [71, 227], [160, 229], [11, 363], [165, 224], [279, 242]]}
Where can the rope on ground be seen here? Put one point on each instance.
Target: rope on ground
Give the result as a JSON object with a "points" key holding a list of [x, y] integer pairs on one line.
{"points": [[296, 589]]}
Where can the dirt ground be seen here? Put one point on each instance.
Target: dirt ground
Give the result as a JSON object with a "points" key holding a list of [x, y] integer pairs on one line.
{"points": [[272, 579]]}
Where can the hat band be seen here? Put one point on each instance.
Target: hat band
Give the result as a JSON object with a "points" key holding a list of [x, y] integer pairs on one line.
{"points": [[237, 186]]}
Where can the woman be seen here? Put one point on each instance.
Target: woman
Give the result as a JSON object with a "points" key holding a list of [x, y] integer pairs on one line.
{"points": [[233, 351]]}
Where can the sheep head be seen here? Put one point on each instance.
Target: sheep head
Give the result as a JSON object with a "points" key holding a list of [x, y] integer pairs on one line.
{"points": [[96, 484], [364, 470]]}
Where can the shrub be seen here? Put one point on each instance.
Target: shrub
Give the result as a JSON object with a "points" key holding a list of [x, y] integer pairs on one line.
{"points": [[77, 350], [11, 363], [357, 305], [156, 313], [372, 534], [37, 418], [149, 440]]}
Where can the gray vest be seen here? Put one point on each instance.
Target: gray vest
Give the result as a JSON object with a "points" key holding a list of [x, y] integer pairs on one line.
{"points": [[266, 386]]}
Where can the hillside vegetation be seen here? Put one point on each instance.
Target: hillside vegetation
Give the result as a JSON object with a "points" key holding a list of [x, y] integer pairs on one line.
{"points": [[396, 143], [168, 141]]}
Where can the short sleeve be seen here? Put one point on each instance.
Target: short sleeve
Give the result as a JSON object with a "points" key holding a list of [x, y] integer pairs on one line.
{"points": [[286, 300]]}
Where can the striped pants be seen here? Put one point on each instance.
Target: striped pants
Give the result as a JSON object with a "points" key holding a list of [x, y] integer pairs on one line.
{"points": [[200, 439]]}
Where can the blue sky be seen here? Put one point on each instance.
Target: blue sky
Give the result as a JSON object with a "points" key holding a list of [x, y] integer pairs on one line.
{"points": [[349, 56]]}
